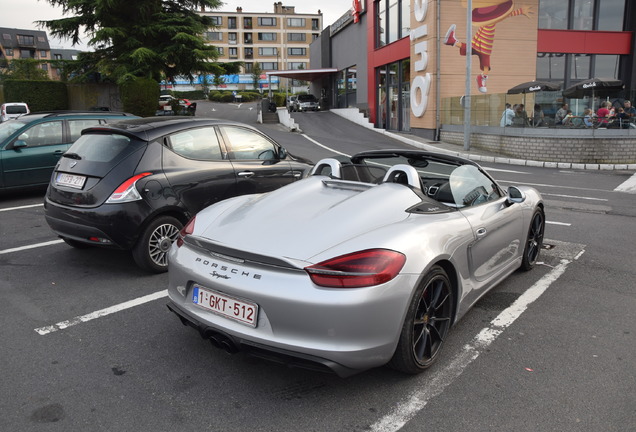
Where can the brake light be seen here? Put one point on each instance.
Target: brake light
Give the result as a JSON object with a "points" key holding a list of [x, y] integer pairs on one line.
{"points": [[127, 191], [186, 230], [359, 269]]}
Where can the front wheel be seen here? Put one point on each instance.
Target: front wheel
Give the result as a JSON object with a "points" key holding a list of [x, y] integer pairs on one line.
{"points": [[151, 250], [427, 323], [534, 241]]}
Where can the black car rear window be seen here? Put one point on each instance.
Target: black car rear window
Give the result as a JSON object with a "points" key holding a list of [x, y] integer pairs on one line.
{"points": [[16, 109], [104, 147]]}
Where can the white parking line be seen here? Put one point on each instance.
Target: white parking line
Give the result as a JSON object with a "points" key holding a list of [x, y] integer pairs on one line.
{"points": [[324, 146], [21, 207], [574, 196], [409, 408], [100, 313], [32, 246], [628, 186]]}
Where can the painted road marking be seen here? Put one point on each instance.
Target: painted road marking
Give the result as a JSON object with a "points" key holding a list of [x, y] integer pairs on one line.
{"points": [[33, 246], [100, 313], [324, 146], [628, 186], [417, 400], [21, 207]]}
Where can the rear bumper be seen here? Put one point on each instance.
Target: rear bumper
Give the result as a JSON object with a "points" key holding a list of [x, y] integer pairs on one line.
{"points": [[232, 344], [111, 225]]}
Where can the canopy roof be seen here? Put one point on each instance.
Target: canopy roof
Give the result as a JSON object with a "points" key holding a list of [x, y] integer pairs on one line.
{"points": [[303, 74]]}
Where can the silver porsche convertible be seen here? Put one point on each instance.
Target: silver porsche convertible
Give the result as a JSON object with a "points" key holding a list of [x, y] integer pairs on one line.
{"points": [[368, 261]]}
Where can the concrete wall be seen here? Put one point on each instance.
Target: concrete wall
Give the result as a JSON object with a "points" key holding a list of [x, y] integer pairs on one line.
{"points": [[86, 96], [602, 146]]}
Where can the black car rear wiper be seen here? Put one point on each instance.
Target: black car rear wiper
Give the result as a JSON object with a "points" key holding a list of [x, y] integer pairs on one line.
{"points": [[72, 156]]}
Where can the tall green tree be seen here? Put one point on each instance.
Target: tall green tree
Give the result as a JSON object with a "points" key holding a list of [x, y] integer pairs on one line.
{"points": [[141, 38], [256, 74]]}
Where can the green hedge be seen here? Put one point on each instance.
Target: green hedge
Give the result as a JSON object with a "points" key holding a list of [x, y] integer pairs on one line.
{"points": [[39, 95], [139, 96], [194, 94]]}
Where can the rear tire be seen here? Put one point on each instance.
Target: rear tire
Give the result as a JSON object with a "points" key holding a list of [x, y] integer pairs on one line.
{"points": [[427, 323], [151, 250]]}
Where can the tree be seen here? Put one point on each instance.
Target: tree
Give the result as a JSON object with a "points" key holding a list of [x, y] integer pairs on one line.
{"points": [[256, 74], [142, 38], [23, 69]]}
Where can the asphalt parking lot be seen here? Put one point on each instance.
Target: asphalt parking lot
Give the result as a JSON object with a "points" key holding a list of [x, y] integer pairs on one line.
{"points": [[88, 343]]}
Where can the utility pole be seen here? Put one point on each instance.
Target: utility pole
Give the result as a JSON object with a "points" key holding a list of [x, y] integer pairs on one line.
{"points": [[469, 53]]}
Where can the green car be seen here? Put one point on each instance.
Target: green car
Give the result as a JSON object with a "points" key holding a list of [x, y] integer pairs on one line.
{"points": [[31, 145]]}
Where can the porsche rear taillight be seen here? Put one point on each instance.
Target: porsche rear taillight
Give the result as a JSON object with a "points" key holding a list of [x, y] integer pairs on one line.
{"points": [[358, 269], [127, 191], [186, 230]]}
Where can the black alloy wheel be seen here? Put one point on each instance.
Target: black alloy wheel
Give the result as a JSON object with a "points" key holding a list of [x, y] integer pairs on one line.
{"points": [[427, 324], [151, 250], [534, 241]]}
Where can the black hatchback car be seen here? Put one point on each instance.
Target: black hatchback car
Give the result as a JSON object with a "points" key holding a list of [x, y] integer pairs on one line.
{"points": [[134, 184]]}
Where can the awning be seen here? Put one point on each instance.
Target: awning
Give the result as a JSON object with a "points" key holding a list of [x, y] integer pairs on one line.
{"points": [[303, 74]]}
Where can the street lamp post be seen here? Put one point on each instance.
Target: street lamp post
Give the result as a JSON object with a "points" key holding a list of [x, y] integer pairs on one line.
{"points": [[469, 53]]}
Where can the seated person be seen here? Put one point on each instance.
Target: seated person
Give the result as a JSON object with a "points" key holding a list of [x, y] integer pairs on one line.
{"points": [[588, 119]]}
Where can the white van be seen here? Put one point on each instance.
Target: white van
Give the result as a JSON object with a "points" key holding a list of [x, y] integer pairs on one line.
{"points": [[12, 110]]}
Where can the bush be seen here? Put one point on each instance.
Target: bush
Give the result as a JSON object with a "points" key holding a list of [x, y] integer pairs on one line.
{"points": [[139, 96], [194, 94], [227, 97], [39, 95]]}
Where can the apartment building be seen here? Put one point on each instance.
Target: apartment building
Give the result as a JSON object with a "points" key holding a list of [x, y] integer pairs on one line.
{"points": [[277, 41], [25, 44]]}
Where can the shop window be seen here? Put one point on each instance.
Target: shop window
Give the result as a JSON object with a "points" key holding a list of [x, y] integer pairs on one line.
{"points": [[611, 15], [606, 66], [580, 66], [551, 66]]}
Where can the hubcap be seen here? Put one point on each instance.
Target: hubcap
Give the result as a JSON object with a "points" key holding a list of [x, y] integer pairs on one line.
{"points": [[535, 238], [160, 241]]}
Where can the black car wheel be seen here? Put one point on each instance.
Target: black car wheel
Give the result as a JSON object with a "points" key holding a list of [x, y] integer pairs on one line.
{"points": [[427, 323], [534, 241], [151, 251]]}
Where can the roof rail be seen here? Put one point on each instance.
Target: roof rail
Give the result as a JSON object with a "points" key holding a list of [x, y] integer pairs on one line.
{"points": [[80, 112]]}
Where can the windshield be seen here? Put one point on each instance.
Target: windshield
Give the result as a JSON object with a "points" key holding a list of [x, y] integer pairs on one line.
{"points": [[306, 98], [9, 127]]}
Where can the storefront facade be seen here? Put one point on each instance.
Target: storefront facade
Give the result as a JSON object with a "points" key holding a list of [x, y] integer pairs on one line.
{"points": [[415, 56]]}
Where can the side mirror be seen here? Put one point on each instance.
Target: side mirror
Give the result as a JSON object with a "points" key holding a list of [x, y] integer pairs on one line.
{"points": [[282, 153], [515, 195], [18, 144]]}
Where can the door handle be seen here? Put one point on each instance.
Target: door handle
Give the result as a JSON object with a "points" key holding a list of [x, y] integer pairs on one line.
{"points": [[246, 174], [481, 232]]}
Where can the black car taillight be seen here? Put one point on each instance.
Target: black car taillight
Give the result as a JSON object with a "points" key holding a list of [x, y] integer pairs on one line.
{"points": [[127, 191]]}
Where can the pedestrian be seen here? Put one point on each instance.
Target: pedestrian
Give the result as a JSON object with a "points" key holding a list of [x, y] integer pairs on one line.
{"points": [[537, 116], [507, 116], [560, 114]]}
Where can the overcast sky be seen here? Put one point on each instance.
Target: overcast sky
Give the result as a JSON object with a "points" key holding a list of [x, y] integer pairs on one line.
{"points": [[22, 13]]}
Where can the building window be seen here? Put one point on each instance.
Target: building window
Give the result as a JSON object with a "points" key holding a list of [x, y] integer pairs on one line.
{"points": [[295, 22], [606, 66], [9, 51], [583, 15], [297, 65], [392, 21], [247, 23], [231, 37], [26, 54], [296, 37], [248, 67], [247, 38], [611, 16], [267, 52], [267, 21], [580, 66], [220, 50], [45, 67], [267, 37], [269, 65], [232, 52], [26, 40], [231, 22], [214, 36], [551, 66], [217, 20], [297, 51], [58, 56], [315, 24], [43, 54], [249, 53]]}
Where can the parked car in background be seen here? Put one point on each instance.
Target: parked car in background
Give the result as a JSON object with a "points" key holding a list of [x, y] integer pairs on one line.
{"points": [[291, 103], [13, 110], [165, 100], [134, 184], [366, 262], [32, 144], [307, 102]]}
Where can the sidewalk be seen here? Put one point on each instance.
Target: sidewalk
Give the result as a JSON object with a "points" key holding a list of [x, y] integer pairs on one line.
{"points": [[474, 154]]}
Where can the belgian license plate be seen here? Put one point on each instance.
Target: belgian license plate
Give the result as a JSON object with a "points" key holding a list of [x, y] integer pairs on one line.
{"points": [[70, 180], [224, 305]]}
